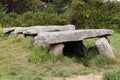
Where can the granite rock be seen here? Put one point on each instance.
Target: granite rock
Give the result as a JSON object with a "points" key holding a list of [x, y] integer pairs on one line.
{"points": [[105, 48], [47, 38]]}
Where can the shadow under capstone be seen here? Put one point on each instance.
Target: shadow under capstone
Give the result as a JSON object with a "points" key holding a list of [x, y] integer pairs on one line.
{"points": [[74, 48]]}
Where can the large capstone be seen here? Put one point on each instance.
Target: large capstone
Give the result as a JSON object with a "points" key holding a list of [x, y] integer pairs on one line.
{"points": [[104, 48], [37, 29], [47, 38]]}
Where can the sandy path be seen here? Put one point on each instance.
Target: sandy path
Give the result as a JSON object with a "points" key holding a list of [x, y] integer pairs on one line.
{"points": [[80, 77]]}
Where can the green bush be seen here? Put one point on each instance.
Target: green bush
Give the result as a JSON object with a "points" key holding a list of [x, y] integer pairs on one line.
{"points": [[95, 14], [2, 35], [12, 17], [101, 61], [28, 44], [98, 61], [3, 16], [39, 18], [91, 54], [82, 13], [112, 75], [51, 19], [14, 39], [94, 59], [40, 54]]}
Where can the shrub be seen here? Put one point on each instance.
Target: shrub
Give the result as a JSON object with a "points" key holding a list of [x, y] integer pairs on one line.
{"points": [[94, 59], [28, 44], [87, 58], [12, 17], [3, 16], [27, 19], [94, 14], [112, 75], [14, 39], [41, 54], [38, 18], [2, 35], [101, 61], [50, 19]]}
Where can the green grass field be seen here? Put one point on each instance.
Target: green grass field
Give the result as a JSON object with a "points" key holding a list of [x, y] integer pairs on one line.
{"points": [[14, 63]]}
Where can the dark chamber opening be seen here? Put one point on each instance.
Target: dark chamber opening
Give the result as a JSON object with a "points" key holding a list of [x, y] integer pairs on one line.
{"points": [[75, 48]]}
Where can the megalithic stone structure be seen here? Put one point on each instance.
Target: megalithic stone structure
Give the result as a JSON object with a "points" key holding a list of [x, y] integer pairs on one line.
{"points": [[71, 41]]}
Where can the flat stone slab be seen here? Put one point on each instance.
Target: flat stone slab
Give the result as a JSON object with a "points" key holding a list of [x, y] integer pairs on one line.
{"points": [[37, 29], [7, 30], [47, 38]]}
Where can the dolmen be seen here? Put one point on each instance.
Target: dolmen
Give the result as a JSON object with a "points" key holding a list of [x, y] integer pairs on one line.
{"points": [[72, 41], [65, 39]]}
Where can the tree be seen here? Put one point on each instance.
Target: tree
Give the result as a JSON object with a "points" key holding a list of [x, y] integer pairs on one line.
{"points": [[17, 6], [89, 14], [61, 5], [20, 6], [35, 5]]}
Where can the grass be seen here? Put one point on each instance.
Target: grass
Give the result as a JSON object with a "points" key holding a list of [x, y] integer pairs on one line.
{"points": [[14, 62], [112, 75], [17, 60]]}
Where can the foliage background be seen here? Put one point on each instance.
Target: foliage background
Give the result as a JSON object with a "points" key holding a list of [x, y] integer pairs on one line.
{"points": [[84, 14]]}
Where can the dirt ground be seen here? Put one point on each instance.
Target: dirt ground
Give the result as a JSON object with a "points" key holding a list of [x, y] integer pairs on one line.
{"points": [[80, 77]]}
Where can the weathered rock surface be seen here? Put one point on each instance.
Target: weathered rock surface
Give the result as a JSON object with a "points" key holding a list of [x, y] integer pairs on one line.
{"points": [[37, 29], [56, 49], [104, 48], [46, 38], [19, 30], [9, 30]]}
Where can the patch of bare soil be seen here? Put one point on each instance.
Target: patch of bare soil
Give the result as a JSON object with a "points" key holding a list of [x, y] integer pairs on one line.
{"points": [[80, 77]]}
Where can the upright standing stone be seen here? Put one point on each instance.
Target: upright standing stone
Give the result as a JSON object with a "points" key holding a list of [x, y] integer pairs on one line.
{"points": [[57, 49], [104, 48]]}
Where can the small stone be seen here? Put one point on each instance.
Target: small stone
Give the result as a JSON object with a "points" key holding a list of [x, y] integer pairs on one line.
{"points": [[20, 35]]}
